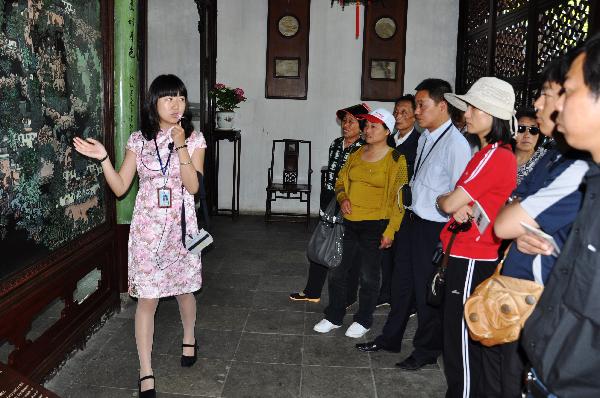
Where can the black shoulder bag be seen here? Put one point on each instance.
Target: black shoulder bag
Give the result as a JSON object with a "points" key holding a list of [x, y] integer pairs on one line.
{"points": [[437, 283]]}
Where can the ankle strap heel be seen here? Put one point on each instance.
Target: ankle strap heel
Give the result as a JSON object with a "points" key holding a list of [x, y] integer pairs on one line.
{"points": [[187, 361], [151, 393]]}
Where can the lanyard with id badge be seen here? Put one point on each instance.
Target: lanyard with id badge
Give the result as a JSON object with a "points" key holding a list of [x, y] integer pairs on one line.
{"points": [[164, 194]]}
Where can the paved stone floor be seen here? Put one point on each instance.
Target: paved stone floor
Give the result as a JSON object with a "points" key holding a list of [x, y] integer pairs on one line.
{"points": [[254, 342]]}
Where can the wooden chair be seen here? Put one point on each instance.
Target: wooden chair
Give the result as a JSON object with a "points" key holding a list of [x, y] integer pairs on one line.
{"points": [[289, 187]]}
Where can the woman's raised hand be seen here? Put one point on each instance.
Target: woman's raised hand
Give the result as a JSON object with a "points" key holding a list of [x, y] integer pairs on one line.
{"points": [[178, 135], [90, 148]]}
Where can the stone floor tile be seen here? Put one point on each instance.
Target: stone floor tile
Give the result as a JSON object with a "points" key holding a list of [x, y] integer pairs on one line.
{"points": [[270, 348], [284, 322], [223, 280], [217, 344], [276, 301], [81, 390], [262, 380], [109, 369], [221, 318], [279, 283], [395, 383], [333, 351], [337, 382], [225, 297], [206, 377]]}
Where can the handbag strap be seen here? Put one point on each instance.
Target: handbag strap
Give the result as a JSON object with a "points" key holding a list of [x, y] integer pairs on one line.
{"points": [[501, 263], [446, 256], [183, 228]]}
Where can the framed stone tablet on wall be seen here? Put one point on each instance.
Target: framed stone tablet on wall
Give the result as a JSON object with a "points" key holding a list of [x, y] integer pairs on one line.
{"points": [[383, 69], [287, 49], [287, 67], [384, 46]]}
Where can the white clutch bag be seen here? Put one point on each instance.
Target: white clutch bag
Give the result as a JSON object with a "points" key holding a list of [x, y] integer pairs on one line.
{"points": [[198, 242]]}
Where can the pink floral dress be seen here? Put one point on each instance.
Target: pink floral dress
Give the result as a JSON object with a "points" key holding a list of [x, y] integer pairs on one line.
{"points": [[159, 264]]}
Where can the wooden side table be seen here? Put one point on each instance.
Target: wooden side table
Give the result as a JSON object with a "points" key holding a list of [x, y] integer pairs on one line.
{"points": [[235, 137]]}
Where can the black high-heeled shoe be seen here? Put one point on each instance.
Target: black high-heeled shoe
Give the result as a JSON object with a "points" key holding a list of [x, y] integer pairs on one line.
{"points": [[151, 393], [187, 361]]}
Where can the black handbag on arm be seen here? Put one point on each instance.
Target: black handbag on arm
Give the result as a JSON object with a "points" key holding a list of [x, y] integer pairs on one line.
{"points": [[437, 284], [325, 244]]}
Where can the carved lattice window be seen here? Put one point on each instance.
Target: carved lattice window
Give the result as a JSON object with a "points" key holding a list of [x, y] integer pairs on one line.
{"points": [[476, 60], [561, 28], [510, 50], [478, 14], [515, 39]]}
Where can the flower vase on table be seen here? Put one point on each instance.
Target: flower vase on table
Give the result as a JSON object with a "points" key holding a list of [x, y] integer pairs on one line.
{"points": [[226, 100], [225, 120]]}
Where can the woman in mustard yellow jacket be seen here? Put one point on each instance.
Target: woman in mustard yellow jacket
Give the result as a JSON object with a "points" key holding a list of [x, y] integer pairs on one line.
{"points": [[368, 190]]}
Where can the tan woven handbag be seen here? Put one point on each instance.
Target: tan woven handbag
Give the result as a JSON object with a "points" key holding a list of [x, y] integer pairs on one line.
{"points": [[498, 308]]}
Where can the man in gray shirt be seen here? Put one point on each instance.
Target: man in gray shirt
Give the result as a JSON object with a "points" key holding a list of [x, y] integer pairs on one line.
{"points": [[442, 155]]}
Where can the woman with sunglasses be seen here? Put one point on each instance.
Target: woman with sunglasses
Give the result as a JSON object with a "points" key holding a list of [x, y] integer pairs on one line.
{"points": [[528, 141], [488, 180]]}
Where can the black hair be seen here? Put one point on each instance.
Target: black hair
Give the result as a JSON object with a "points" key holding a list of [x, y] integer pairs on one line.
{"points": [[591, 64], [163, 86], [500, 132], [556, 70], [525, 112], [407, 98], [455, 113], [436, 89], [362, 123]]}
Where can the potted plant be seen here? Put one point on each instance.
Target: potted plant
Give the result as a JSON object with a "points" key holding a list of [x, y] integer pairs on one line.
{"points": [[226, 100]]}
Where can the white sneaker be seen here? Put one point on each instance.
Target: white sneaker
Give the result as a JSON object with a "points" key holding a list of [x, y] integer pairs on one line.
{"points": [[324, 326], [356, 330]]}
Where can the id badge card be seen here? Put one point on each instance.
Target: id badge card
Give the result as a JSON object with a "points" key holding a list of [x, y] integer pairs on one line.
{"points": [[164, 197], [480, 217]]}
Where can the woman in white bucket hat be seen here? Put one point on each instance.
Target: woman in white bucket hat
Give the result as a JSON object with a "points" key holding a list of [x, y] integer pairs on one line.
{"points": [[488, 180]]}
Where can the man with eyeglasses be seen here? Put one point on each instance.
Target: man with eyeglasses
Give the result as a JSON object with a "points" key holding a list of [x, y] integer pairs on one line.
{"points": [[547, 199], [561, 336]]}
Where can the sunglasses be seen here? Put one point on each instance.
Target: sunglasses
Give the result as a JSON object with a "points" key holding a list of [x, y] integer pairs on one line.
{"points": [[533, 130]]}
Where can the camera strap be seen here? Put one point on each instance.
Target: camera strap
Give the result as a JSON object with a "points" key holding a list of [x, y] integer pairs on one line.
{"points": [[422, 160]]}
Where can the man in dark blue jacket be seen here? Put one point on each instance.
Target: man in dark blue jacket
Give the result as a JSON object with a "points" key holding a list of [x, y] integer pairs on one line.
{"points": [[404, 138], [561, 336]]}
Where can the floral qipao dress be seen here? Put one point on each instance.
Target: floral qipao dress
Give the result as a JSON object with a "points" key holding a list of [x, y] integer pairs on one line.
{"points": [[159, 264]]}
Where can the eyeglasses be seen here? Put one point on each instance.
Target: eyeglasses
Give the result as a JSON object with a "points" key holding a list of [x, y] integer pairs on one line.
{"points": [[533, 130]]}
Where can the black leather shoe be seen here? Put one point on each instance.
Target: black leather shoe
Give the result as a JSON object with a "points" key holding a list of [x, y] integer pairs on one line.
{"points": [[372, 346], [187, 361], [151, 393], [411, 363]]}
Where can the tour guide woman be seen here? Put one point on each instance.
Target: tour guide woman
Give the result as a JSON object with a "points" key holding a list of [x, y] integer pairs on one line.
{"points": [[368, 190], [489, 178]]}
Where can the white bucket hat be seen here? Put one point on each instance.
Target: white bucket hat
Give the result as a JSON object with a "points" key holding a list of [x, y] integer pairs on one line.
{"points": [[489, 94]]}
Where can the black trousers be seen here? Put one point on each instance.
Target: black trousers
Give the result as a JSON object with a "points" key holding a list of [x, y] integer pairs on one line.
{"points": [[387, 267], [513, 368], [361, 243], [317, 274], [472, 370], [413, 249]]}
